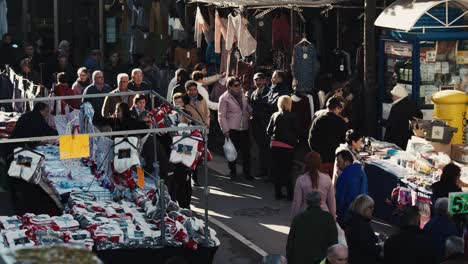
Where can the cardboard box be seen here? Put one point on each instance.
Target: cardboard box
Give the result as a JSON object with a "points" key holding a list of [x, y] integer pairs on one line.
{"points": [[444, 148], [460, 153]]}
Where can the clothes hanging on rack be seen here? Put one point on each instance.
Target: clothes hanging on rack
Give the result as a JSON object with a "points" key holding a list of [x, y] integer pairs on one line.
{"points": [[281, 32], [305, 66], [220, 31], [237, 32], [341, 65], [280, 61], [304, 106], [245, 73], [264, 36], [185, 57], [176, 30], [201, 27]]}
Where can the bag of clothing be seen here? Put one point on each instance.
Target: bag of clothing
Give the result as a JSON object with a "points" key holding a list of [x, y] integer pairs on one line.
{"points": [[184, 150], [229, 150], [125, 153], [27, 165]]}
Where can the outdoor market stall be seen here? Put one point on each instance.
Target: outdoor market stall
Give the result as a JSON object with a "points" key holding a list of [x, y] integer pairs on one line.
{"points": [[108, 207]]}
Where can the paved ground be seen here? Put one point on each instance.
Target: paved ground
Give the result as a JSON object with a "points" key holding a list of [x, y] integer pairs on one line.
{"points": [[248, 210]]}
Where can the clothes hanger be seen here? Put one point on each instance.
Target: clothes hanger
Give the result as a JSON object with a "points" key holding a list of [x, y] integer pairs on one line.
{"points": [[304, 40], [184, 136], [125, 139]]}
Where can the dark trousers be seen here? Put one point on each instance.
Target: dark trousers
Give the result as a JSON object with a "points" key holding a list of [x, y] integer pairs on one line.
{"points": [[241, 141], [162, 155], [259, 133], [281, 167], [180, 187]]}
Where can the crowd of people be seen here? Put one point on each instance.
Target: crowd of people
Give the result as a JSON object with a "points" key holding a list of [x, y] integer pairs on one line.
{"points": [[331, 211]]}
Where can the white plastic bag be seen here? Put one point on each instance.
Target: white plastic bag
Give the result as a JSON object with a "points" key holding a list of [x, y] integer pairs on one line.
{"points": [[341, 235], [229, 150]]}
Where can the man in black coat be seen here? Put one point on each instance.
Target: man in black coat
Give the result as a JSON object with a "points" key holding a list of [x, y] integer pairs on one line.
{"points": [[312, 233], [403, 110], [260, 119], [327, 132], [29, 197], [410, 244]]}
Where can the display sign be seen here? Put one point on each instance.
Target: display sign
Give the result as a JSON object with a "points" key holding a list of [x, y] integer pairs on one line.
{"points": [[462, 57], [74, 146], [399, 49], [458, 203]]}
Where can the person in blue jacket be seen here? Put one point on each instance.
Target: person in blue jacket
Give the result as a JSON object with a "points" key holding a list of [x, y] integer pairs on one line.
{"points": [[351, 183]]}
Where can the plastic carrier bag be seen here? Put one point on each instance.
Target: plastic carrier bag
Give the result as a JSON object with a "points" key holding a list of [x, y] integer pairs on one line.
{"points": [[229, 150]]}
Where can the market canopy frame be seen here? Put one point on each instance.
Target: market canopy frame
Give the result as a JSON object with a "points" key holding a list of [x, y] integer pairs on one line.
{"points": [[404, 14], [271, 3]]}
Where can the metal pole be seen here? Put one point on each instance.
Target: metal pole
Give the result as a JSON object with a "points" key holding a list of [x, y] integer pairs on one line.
{"points": [[155, 150], [207, 188], [292, 28], [337, 28], [101, 29], [163, 212], [56, 24], [25, 19], [370, 105]]}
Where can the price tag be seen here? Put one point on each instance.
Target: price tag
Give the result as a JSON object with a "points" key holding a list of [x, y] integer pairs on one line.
{"points": [[188, 54], [305, 56], [458, 203], [341, 67], [141, 178], [74, 146]]}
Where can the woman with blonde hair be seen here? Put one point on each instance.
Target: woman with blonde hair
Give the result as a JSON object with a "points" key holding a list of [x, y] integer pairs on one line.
{"points": [[362, 241], [284, 135]]}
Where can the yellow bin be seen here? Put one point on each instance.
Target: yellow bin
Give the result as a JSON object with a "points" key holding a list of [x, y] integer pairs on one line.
{"points": [[451, 106]]}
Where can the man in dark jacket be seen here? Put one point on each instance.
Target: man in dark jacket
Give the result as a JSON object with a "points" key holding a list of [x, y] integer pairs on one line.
{"points": [[410, 244], [311, 233], [138, 85], [97, 87], [326, 133], [110, 102], [277, 89], [29, 197], [403, 110], [260, 118]]}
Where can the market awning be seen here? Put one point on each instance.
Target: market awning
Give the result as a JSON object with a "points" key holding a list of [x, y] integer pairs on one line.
{"points": [[404, 14], [272, 3]]}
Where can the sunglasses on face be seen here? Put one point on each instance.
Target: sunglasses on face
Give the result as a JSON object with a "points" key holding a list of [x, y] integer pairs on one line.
{"points": [[237, 85]]}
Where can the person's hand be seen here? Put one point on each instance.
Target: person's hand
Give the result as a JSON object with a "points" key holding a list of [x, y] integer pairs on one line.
{"points": [[223, 74], [346, 119], [226, 134], [350, 97]]}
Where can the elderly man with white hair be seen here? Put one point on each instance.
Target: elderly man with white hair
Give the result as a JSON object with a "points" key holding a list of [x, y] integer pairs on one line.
{"points": [[403, 110], [336, 254], [108, 109], [97, 87], [441, 226], [311, 233]]}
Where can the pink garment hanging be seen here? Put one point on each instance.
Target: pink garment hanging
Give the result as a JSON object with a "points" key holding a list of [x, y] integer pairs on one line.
{"points": [[220, 31], [237, 31]]}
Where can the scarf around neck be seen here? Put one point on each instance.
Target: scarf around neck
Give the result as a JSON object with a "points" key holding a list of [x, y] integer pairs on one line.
{"points": [[193, 100], [238, 97]]}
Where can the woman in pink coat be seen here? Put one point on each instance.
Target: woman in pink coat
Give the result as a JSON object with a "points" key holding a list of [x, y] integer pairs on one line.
{"points": [[310, 181], [233, 117]]}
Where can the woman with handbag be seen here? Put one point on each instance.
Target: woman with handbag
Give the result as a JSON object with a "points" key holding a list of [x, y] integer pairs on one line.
{"points": [[233, 117]]}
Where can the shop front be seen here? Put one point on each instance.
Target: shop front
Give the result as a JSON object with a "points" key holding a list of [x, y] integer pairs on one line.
{"points": [[423, 48]]}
